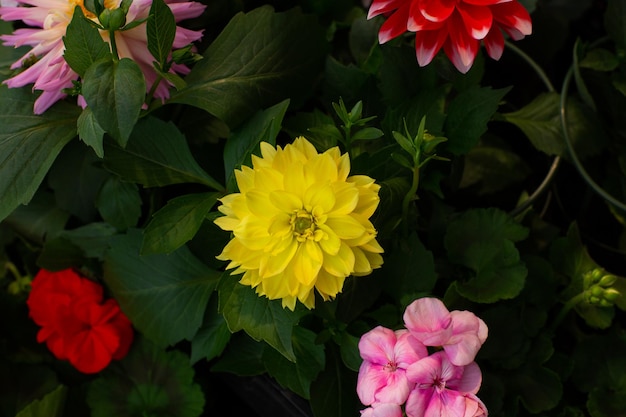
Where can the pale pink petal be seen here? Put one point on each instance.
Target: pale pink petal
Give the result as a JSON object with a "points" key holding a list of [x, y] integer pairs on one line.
{"points": [[370, 379], [468, 380], [377, 345], [425, 371], [382, 410], [446, 403], [396, 388], [419, 401], [436, 10], [468, 334], [408, 349], [474, 407], [428, 319], [186, 10], [477, 20]]}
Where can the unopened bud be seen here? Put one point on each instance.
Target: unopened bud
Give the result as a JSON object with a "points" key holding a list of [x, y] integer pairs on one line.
{"points": [[607, 281], [611, 294], [596, 291]]}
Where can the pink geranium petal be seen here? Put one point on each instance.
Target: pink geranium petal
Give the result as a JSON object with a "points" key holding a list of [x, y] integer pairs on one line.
{"points": [[428, 319]]}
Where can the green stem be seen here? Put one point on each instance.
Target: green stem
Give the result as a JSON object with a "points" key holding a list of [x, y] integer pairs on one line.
{"points": [[410, 195], [13, 269], [116, 56], [155, 85], [566, 308]]}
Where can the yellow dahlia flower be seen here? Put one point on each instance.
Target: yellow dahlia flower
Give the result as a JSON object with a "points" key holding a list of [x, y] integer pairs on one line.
{"points": [[299, 223]]}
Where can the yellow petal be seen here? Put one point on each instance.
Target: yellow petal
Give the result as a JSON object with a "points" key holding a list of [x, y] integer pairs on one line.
{"points": [[329, 285], [274, 265], [245, 178], [284, 201], [307, 262], [345, 227], [330, 242], [346, 198], [319, 197], [340, 264], [259, 204]]}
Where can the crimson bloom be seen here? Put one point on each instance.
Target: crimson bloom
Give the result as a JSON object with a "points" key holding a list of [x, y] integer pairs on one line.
{"points": [[444, 389], [76, 324], [460, 333], [459, 26]]}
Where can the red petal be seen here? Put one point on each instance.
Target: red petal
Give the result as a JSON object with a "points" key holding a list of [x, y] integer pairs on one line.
{"points": [[494, 43], [417, 22], [485, 2], [477, 20], [428, 43], [383, 6], [513, 18], [126, 334], [91, 351], [395, 25], [437, 10], [461, 48]]}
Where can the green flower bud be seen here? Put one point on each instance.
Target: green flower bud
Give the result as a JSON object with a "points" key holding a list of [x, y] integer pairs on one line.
{"points": [[592, 277], [607, 281], [605, 303], [611, 294], [596, 291], [112, 19], [594, 300]]}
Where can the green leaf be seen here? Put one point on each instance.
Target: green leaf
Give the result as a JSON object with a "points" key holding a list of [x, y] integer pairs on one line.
{"points": [[161, 30], [213, 336], [76, 179], [243, 357], [482, 240], [58, 254], [165, 296], [119, 203], [157, 155], [264, 126], [333, 393], [41, 219], [468, 114], [349, 350], [29, 144], [83, 44], [92, 239], [401, 267], [147, 382], [297, 376], [177, 222], [115, 91], [259, 317], [538, 388], [599, 59], [51, 405], [90, 131], [369, 133], [491, 169], [259, 59]]}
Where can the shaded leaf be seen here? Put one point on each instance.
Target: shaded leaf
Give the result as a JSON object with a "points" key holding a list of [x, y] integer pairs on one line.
{"points": [[161, 30], [213, 336], [165, 296], [259, 317], [177, 222], [467, 118], [260, 58], [115, 91], [147, 382], [157, 155], [29, 144], [297, 376], [51, 405], [83, 43], [119, 203], [90, 131]]}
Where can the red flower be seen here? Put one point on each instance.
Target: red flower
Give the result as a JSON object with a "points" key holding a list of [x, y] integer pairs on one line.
{"points": [[458, 26], [75, 322]]}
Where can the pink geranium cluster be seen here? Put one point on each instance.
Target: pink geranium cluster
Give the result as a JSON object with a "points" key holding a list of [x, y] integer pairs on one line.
{"points": [[398, 370]]}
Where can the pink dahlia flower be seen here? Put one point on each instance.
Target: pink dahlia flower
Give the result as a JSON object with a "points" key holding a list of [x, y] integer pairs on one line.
{"points": [[386, 356], [458, 26], [444, 389], [44, 65], [460, 333]]}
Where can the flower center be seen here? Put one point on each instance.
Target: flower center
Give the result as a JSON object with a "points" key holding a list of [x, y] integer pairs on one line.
{"points": [[391, 366], [81, 3], [303, 225]]}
